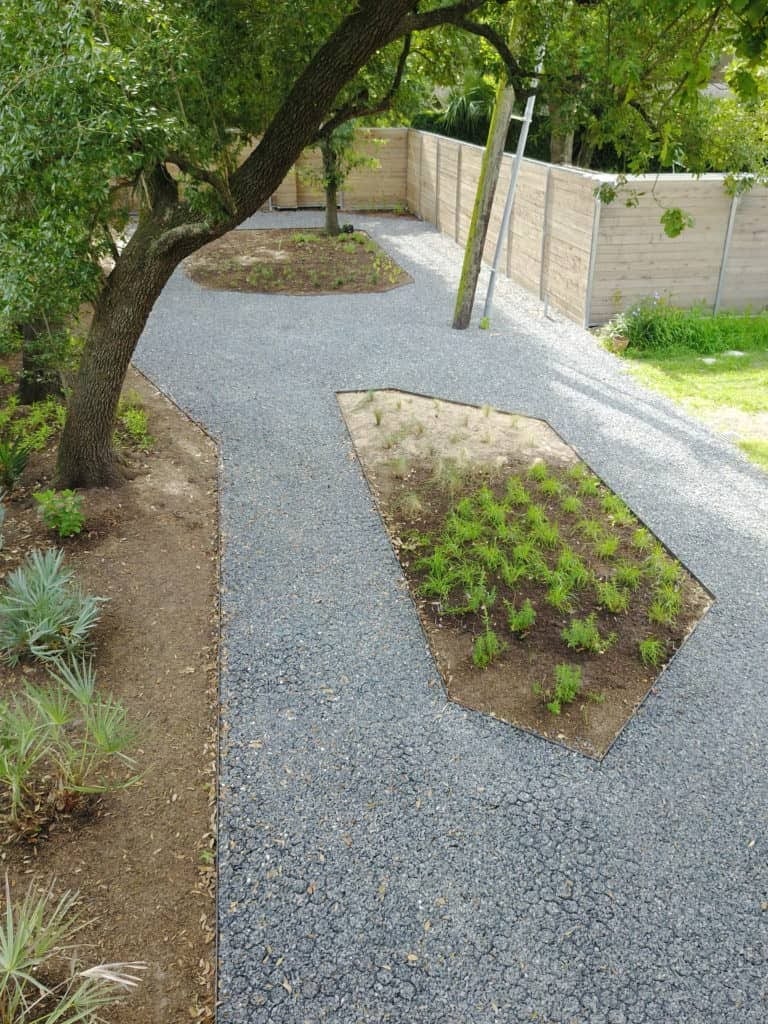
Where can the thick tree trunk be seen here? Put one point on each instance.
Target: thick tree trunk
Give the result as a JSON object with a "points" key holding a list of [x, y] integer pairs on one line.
{"points": [[86, 456], [481, 215]]}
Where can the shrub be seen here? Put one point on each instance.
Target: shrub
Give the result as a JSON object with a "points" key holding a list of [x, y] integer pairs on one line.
{"points": [[42, 980], [654, 325], [61, 511], [43, 613]]}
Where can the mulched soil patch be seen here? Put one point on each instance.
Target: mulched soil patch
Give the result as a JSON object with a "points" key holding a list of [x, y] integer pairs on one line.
{"points": [[142, 858], [440, 452], [305, 262]]}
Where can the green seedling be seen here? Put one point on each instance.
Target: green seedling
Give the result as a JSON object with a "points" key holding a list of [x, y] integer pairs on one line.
{"points": [[551, 487], [61, 511], [578, 471], [589, 486], [538, 472], [591, 529], [642, 540], [571, 504], [521, 620], [565, 691], [612, 598], [571, 566], [486, 648], [583, 635], [516, 494], [560, 593], [651, 652], [666, 604], [627, 575], [536, 516], [607, 547]]}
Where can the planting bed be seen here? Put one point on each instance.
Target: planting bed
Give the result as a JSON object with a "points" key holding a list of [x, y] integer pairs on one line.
{"points": [[141, 858], [546, 603], [305, 262]]}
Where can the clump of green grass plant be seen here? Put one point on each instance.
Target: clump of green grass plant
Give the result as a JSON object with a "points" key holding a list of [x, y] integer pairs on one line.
{"points": [[521, 620], [14, 456], [651, 651]]}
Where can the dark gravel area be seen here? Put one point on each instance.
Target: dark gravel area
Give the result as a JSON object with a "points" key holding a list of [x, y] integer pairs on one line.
{"points": [[385, 856]]}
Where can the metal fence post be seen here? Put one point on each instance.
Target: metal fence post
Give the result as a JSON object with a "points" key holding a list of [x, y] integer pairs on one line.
{"points": [[726, 250]]}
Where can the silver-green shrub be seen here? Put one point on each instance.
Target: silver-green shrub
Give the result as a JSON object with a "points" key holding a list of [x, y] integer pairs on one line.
{"points": [[43, 612]]}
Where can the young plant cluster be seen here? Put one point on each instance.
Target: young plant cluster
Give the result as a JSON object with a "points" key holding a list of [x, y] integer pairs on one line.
{"points": [[59, 744], [132, 430], [25, 429], [548, 544]]}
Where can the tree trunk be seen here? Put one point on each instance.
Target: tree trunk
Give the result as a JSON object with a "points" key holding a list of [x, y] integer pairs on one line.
{"points": [[39, 379], [481, 215], [561, 147], [330, 184], [86, 455]]}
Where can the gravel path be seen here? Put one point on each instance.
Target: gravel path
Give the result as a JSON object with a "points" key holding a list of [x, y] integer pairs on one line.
{"points": [[385, 856]]}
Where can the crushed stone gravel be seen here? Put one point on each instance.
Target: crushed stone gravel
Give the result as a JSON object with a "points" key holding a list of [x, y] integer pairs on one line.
{"points": [[385, 856]]}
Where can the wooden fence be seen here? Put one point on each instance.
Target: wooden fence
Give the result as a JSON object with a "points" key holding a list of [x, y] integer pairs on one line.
{"points": [[588, 259]]}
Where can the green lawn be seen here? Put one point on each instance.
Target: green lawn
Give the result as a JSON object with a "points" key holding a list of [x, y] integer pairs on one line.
{"points": [[731, 392]]}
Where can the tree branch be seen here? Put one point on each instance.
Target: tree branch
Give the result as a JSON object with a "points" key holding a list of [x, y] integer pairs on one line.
{"points": [[211, 178], [352, 111]]}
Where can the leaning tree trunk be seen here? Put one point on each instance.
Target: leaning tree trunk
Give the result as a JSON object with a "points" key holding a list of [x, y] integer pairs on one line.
{"points": [[330, 182], [481, 214], [86, 455]]}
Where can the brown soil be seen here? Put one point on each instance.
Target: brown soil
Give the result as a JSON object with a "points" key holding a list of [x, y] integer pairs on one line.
{"points": [[139, 858], [439, 452], [305, 262]]}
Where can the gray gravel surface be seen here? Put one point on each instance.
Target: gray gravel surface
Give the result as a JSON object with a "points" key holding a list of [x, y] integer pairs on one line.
{"points": [[385, 856]]}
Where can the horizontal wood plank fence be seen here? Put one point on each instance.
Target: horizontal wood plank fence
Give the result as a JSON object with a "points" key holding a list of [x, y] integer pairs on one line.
{"points": [[588, 259]]}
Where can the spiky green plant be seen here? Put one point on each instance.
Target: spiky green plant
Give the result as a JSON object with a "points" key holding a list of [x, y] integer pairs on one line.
{"points": [[666, 604], [591, 529], [14, 456], [43, 612], [559, 592], [589, 486], [551, 487], [538, 471], [42, 979]]}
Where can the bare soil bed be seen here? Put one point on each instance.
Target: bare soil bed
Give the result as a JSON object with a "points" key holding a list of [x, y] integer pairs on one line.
{"points": [[474, 503], [141, 858], [305, 262]]}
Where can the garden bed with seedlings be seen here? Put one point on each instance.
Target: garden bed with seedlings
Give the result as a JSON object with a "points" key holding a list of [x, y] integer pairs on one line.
{"points": [[108, 633], [306, 262], [545, 601]]}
